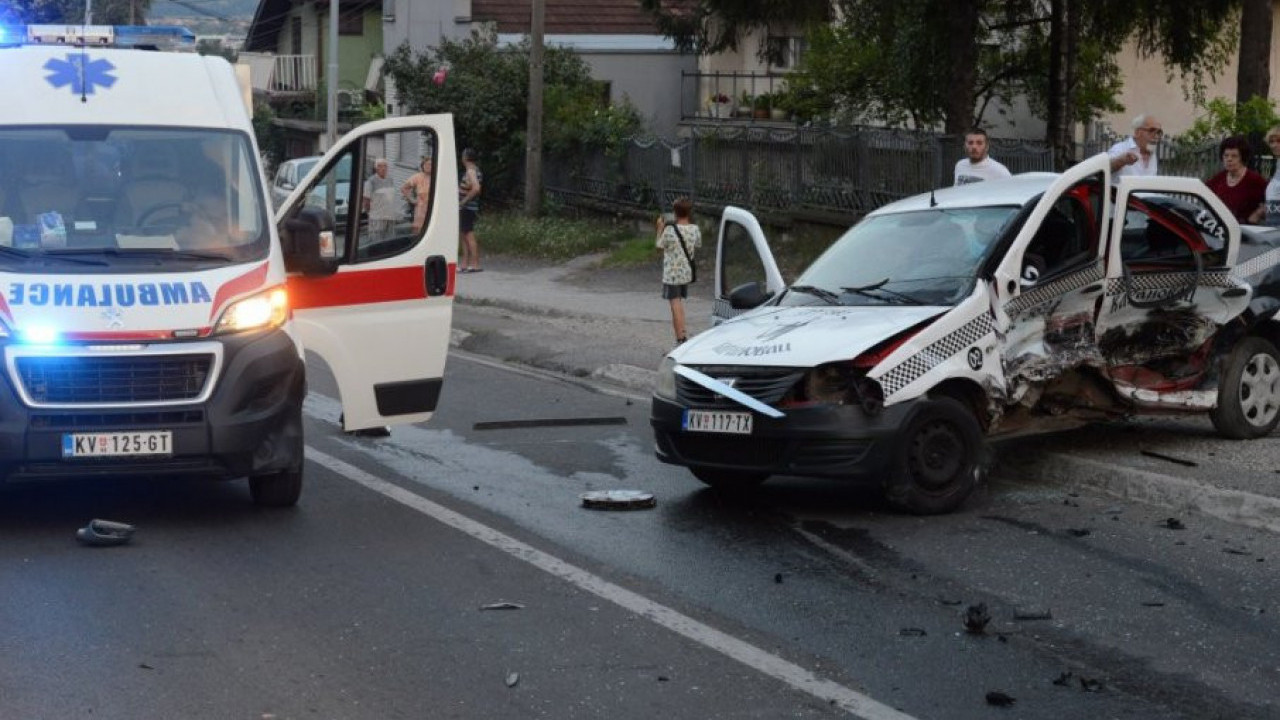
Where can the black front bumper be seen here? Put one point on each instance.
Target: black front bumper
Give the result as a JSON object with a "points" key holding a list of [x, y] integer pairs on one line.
{"points": [[250, 425], [832, 441]]}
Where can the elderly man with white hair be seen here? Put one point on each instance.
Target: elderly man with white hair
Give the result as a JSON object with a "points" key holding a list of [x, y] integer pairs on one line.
{"points": [[1136, 155], [380, 201]]}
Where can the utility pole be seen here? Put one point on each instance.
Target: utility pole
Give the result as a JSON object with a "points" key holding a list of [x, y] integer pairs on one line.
{"points": [[533, 131], [331, 80], [88, 12]]}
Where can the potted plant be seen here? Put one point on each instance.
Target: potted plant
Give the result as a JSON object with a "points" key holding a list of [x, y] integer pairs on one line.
{"points": [[760, 107], [719, 105], [744, 105]]}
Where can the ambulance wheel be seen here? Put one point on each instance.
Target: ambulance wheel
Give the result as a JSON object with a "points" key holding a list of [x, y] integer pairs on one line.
{"points": [[728, 480], [936, 462], [1249, 391], [281, 489]]}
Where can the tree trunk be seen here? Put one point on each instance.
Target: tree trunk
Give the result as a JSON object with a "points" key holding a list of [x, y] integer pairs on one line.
{"points": [[1056, 98], [1254, 74], [962, 59]]}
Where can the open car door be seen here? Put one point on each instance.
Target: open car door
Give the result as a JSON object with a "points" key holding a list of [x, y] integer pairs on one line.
{"points": [[742, 258], [377, 307]]}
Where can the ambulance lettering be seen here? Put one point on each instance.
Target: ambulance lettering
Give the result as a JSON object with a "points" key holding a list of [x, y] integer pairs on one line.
{"points": [[108, 294]]}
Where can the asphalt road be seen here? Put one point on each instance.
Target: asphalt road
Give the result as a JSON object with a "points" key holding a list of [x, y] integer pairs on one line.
{"points": [[806, 599]]}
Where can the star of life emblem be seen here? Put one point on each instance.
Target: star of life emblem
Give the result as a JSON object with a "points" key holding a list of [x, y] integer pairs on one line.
{"points": [[114, 318]]}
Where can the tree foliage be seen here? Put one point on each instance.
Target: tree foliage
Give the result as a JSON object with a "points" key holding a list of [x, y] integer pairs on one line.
{"points": [[486, 89], [105, 12]]}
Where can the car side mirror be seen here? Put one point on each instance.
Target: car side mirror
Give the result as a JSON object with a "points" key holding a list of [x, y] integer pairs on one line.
{"points": [[307, 242], [748, 296]]}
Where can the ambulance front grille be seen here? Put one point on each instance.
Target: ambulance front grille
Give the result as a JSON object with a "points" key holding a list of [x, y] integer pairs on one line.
{"points": [[112, 380]]}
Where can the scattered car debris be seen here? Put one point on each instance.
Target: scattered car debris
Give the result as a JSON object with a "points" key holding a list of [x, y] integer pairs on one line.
{"points": [[777, 578], [1090, 685], [502, 606], [1169, 458], [512, 679], [1234, 551], [1152, 603], [912, 632], [1032, 613], [547, 422], [1253, 610], [1173, 524], [949, 601], [618, 500], [103, 533], [1064, 679], [1079, 532], [976, 618], [144, 666], [661, 678], [999, 699]]}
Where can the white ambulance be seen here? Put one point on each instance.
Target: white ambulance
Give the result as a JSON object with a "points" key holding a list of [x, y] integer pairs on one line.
{"points": [[153, 312]]}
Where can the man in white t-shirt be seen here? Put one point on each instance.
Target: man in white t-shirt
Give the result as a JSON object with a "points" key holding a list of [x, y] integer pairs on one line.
{"points": [[978, 166], [1136, 155], [381, 200]]}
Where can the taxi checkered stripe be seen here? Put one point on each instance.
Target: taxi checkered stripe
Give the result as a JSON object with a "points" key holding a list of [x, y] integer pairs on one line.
{"points": [[1258, 265], [934, 354], [1166, 281], [1054, 289]]}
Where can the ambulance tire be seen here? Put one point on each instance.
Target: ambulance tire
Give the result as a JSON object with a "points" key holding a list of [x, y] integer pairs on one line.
{"points": [[728, 480], [1248, 391], [281, 489], [937, 460]]}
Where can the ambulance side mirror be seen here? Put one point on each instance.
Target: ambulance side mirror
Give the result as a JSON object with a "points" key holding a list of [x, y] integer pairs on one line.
{"points": [[748, 296], [308, 244]]}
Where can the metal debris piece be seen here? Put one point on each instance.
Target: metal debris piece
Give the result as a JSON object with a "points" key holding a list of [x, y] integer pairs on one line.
{"points": [[976, 618], [547, 422], [618, 500], [1090, 685], [999, 699], [1169, 458], [1173, 524], [1234, 551], [1152, 603], [777, 578], [949, 601], [103, 533], [1032, 613], [512, 679], [912, 632], [502, 606], [1079, 532], [1064, 679]]}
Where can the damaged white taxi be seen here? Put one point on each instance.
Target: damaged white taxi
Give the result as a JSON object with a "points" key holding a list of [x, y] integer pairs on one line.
{"points": [[1023, 305]]}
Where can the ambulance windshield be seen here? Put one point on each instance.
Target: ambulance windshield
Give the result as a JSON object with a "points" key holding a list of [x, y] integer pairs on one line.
{"points": [[119, 194]]}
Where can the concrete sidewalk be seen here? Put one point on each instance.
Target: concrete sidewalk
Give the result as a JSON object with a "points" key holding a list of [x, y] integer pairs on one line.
{"points": [[612, 325]]}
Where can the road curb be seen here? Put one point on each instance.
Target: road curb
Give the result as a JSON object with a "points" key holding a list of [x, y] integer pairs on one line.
{"points": [[628, 376], [1175, 493]]}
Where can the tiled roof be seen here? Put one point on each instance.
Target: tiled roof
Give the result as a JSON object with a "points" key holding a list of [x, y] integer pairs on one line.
{"points": [[569, 17]]}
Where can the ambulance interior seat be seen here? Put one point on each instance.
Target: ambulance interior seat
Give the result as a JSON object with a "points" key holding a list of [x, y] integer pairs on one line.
{"points": [[151, 190]]}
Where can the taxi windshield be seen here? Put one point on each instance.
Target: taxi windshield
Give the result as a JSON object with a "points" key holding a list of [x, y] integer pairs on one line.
{"points": [[923, 257], [104, 196]]}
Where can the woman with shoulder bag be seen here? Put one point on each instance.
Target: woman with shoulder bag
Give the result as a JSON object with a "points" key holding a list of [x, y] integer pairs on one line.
{"points": [[678, 242]]}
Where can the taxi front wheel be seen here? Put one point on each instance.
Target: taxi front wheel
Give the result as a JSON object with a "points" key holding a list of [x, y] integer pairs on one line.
{"points": [[937, 458]]}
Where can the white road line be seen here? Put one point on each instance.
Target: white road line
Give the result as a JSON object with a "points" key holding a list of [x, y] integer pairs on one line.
{"points": [[744, 652]]}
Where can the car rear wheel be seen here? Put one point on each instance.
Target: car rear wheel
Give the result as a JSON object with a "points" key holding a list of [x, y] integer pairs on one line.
{"points": [[281, 489], [936, 463], [728, 480], [1249, 391]]}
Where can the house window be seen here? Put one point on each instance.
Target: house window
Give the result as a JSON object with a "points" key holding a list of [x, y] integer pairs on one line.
{"points": [[784, 51], [351, 22]]}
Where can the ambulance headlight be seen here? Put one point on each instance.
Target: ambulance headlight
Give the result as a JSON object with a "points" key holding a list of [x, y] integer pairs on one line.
{"points": [[665, 385], [265, 310]]}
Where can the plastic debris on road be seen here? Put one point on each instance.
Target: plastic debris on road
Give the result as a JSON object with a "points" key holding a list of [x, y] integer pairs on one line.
{"points": [[618, 500], [103, 533]]}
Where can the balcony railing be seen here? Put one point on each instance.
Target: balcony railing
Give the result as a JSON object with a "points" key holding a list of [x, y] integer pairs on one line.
{"points": [[281, 73], [740, 97]]}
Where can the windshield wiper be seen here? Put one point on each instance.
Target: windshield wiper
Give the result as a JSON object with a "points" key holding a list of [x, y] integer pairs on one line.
{"points": [[823, 293], [13, 252], [879, 287], [138, 252]]}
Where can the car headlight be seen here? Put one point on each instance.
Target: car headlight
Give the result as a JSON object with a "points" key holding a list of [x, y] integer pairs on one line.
{"points": [[269, 308], [665, 387]]}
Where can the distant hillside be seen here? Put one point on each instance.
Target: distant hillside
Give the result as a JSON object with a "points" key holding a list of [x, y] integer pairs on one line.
{"points": [[233, 9]]}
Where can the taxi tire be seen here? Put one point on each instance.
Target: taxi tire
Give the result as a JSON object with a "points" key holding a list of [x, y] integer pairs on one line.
{"points": [[1249, 391], [937, 460], [728, 480], [280, 489]]}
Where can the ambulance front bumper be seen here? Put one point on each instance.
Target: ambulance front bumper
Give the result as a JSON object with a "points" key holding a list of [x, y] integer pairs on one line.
{"points": [[246, 420]]}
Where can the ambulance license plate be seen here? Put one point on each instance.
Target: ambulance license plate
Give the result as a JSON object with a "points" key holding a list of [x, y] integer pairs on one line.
{"points": [[717, 421], [117, 444]]}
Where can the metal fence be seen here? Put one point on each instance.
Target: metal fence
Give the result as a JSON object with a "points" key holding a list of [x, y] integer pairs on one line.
{"points": [[833, 175]]}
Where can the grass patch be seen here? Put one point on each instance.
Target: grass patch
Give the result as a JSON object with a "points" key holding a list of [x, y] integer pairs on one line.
{"points": [[549, 237]]}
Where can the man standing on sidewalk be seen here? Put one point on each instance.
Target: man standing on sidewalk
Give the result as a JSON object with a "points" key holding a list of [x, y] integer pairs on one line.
{"points": [[978, 165]]}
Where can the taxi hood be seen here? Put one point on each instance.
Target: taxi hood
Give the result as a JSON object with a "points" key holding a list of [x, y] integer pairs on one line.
{"points": [[800, 336]]}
